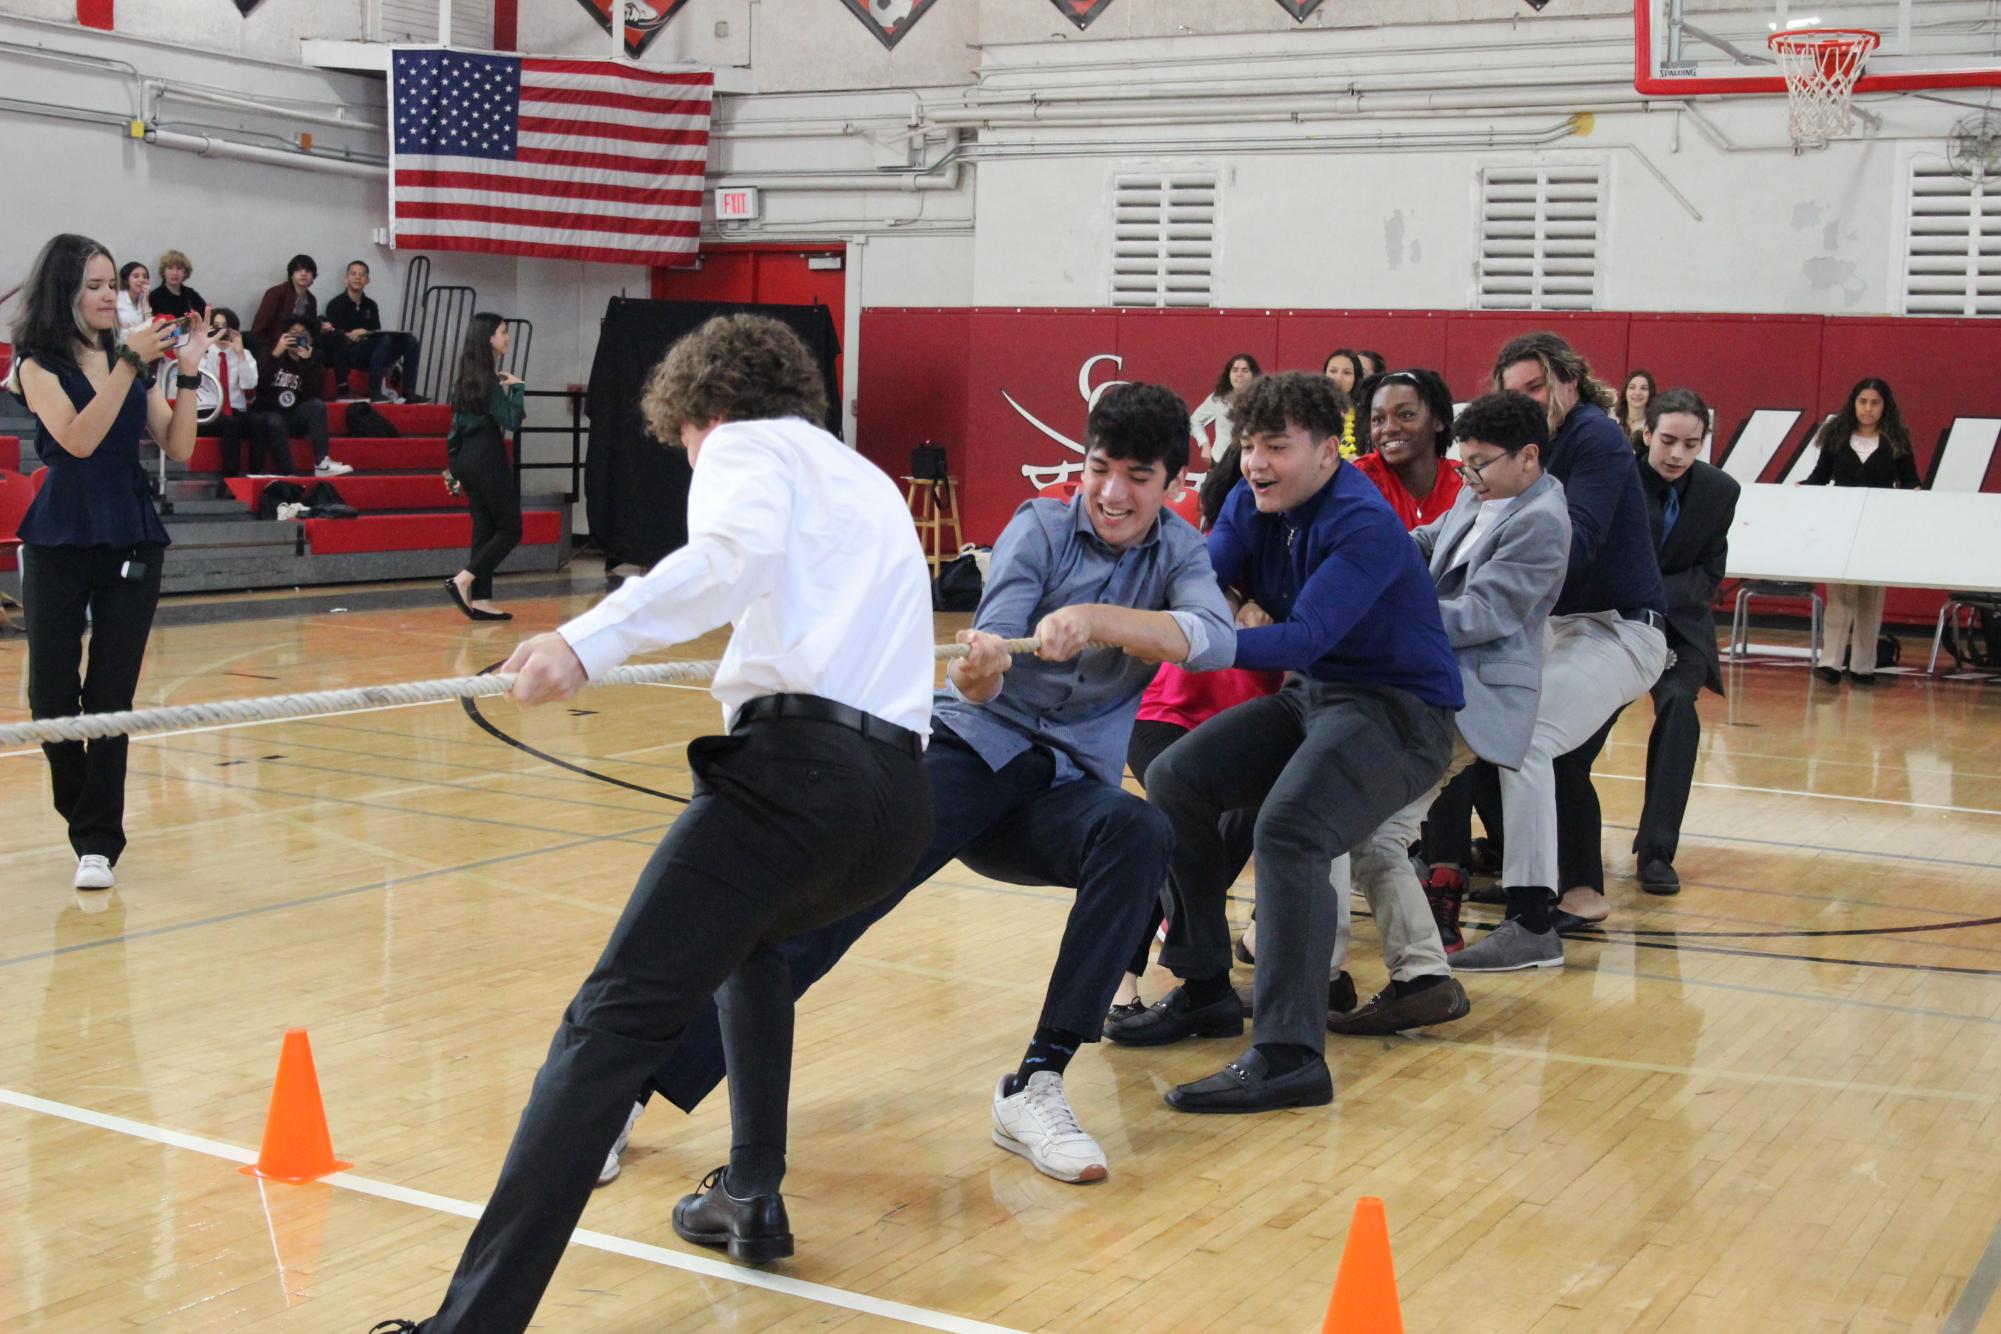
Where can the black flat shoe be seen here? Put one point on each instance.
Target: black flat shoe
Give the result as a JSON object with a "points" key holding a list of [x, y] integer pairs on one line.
{"points": [[1170, 1019], [1830, 675], [1244, 956], [1489, 894], [1132, 1009], [755, 1231], [1247, 1085], [1570, 924], [473, 613]]}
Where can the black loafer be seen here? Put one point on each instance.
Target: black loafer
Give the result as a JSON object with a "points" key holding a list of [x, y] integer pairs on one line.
{"points": [[1247, 1085], [1658, 877], [1488, 894], [755, 1231], [1170, 1019], [1129, 1010], [1388, 1013]]}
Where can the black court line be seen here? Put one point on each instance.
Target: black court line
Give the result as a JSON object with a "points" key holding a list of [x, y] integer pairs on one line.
{"points": [[480, 721]]}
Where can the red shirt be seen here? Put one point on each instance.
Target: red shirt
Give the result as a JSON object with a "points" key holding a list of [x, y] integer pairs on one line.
{"points": [[1414, 512], [1189, 699]]}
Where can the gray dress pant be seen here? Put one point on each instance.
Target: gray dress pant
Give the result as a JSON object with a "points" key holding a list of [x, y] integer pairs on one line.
{"points": [[1323, 764]]}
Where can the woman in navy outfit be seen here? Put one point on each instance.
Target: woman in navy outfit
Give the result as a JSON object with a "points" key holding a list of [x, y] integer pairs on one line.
{"points": [[92, 540]]}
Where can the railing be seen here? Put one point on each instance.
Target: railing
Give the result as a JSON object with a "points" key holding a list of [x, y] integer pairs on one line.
{"points": [[416, 277], [441, 322], [575, 431]]}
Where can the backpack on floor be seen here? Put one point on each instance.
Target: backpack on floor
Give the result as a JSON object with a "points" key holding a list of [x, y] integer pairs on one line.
{"points": [[1888, 650], [276, 494], [958, 585], [364, 420]]}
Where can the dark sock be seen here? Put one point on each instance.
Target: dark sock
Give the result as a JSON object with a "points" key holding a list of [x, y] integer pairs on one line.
{"points": [[1282, 1058], [1050, 1049], [1530, 905], [755, 1169], [1415, 985], [1206, 990]]}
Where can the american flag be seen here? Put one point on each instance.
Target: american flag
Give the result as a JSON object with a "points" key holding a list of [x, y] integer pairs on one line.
{"points": [[556, 159]]}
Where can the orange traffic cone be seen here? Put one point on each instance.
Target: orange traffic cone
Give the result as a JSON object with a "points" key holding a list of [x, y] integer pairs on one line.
{"points": [[296, 1144], [1365, 1290]]}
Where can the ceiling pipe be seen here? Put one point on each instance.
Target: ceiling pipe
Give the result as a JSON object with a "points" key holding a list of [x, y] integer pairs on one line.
{"points": [[159, 90], [204, 146]]}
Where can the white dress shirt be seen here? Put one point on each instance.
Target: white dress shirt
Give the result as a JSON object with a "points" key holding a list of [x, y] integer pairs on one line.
{"points": [[1484, 519], [131, 314], [807, 548], [242, 374]]}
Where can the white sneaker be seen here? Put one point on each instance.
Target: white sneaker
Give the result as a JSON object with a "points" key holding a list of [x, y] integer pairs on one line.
{"points": [[330, 468], [1037, 1123], [612, 1167], [94, 872]]}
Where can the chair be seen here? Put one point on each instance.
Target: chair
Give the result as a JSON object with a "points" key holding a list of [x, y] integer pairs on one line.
{"points": [[1740, 616], [1956, 605], [932, 495], [16, 492]]}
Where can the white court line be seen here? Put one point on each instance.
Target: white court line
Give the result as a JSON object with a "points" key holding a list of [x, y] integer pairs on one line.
{"points": [[1820, 796], [260, 722], [920, 1316]]}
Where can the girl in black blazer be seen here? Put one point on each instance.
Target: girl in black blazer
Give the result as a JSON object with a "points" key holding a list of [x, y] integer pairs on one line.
{"points": [[1865, 444]]}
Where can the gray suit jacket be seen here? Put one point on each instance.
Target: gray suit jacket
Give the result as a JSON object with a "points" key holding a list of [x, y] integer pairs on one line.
{"points": [[1495, 605]]}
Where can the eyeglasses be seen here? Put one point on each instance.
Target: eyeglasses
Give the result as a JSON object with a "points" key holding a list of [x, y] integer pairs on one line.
{"points": [[1470, 472]]}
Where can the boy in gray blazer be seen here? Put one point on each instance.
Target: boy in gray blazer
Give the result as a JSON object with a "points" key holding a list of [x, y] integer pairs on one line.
{"points": [[1498, 557]]}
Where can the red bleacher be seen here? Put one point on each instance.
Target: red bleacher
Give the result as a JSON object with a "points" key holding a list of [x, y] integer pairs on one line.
{"points": [[10, 453], [411, 453], [417, 532], [365, 493]]}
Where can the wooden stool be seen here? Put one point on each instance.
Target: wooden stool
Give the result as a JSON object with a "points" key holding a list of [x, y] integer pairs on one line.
{"points": [[933, 514]]}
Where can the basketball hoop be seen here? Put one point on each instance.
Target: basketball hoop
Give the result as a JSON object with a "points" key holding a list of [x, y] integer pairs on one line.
{"points": [[1821, 66]]}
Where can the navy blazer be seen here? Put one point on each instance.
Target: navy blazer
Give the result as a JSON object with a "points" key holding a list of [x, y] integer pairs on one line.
{"points": [[1612, 565]]}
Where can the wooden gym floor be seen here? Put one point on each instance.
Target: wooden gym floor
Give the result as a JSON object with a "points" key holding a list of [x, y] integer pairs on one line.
{"points": [[1773, 1103]]}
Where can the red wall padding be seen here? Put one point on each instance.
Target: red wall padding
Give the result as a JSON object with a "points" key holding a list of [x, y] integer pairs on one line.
{"points": [[948, 375]]}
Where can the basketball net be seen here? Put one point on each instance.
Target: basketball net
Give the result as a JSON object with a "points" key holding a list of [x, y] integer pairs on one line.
{"points": [[1820, 66]]}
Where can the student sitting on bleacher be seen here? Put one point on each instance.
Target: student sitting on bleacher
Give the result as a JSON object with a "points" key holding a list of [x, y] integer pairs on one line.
{"points": [[359, 341], [235, 370], [290, 300], [288, 395]]}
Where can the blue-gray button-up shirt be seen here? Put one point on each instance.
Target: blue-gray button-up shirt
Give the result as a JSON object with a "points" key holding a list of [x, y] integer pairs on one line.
{"points": [[1050, 557]]}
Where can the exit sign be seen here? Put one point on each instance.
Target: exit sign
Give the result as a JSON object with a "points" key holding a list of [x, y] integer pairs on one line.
{"points": [[737, 204]]}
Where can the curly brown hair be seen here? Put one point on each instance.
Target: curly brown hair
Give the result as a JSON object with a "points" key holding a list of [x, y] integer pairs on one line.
{"points": [[734, 368], [1292, 398]]}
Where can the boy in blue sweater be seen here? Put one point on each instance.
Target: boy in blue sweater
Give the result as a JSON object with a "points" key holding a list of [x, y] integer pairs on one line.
{"points": [[1333, 591]]}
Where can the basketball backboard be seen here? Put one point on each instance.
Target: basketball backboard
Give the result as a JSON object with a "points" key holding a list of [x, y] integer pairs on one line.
{"points": [[1691, 47]]}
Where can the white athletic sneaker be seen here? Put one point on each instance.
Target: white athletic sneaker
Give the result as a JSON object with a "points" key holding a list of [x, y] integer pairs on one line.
{"points": [[1037, 1123], [612, 1167], [94, 872], [331, 468]]}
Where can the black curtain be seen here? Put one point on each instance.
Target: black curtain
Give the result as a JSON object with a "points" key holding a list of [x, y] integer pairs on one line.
{"points": [[635, 488]]}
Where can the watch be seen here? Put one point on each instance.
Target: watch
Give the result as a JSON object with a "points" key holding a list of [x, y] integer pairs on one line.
{"points": [[182, 380]]}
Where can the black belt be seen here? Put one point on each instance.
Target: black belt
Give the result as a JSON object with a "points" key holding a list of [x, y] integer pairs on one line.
{"points": [[1646, 616], [816, 709]]}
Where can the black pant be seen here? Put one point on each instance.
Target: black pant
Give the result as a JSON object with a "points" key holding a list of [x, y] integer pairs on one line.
{"points": [[1322, 764], [1448, 825], [481, 464], [1150, 741], [1012, 826], [58, 586], [1671, 748], [274, 428], [794, 823], [376, 354], [234, 431]]}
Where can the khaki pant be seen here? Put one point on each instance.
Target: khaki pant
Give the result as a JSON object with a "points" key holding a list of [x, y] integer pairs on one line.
{"points": [[1410, 940], [1854, 620]]}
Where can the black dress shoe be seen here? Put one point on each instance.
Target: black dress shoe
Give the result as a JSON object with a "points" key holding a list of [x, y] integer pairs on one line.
{"points": [[1387, 1012], [1863, 678], [1831, 675], [756, 1231], [1485, 857], [1341, 994], [1170, 1019], [1491, 894], [1247, 1085], [1657, 877], [1130, 1009], [394, 1327], [1243, 953]]}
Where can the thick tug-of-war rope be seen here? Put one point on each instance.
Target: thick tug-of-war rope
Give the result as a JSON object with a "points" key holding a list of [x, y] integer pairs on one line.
{"points": [[266, 708]]}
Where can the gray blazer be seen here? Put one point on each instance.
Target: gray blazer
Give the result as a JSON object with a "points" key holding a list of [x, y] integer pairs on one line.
{"points": [[1495, 605]]}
